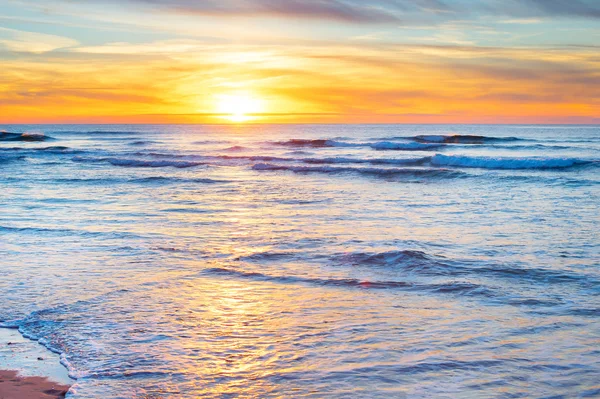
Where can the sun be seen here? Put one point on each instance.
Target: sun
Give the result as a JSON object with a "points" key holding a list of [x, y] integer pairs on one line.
{"points": [[238, 107]]}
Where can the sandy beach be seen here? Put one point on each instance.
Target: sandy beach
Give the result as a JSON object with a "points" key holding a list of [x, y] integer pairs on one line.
{"points": [[14, 386], [28, 370]]}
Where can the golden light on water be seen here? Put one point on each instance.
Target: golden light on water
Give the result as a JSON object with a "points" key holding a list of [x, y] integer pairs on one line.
{"points": [[239, 107]]}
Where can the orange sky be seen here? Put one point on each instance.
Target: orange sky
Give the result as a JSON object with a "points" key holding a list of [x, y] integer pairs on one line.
{"points": [[143, 61]]}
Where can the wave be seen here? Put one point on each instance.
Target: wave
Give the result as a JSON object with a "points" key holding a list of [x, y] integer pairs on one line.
{"points": [[450, 287], [461, 139], [142, 142], [160, 180], [388, 145], [380, 258], [315, 143], [9, 159], [324, 161], [111, 132], [267, 256], [383, 172], [425, 264], [139, 163], [235, 148], [59, 149], [202, 142], [269, 158], [381, 145], [532, 147], [506, 163], [177, 180], [63, 232], [373, 161], [5, 136], [254, 158]]}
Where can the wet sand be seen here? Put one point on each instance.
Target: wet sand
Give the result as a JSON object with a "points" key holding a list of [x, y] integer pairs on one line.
{"points": [[28, 370], [13, 386]]}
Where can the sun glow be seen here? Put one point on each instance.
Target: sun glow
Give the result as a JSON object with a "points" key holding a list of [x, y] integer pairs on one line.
{"points": [[239, 107]]}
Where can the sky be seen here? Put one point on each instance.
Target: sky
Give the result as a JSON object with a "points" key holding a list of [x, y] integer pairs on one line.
{"points": [[294, 61]]}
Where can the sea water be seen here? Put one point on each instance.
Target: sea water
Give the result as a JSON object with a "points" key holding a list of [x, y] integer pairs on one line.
{"points": [[306, 261]]}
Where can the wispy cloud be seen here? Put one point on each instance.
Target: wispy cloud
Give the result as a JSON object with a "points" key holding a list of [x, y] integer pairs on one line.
{"points": [[384, 11], [32, 42], [347, 11]]}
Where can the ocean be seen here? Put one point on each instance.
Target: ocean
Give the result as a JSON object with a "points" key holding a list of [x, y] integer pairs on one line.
{"points": [[306, 261]]}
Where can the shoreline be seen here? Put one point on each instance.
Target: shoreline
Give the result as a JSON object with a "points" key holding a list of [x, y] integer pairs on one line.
{"points": [[15, 386], [28, 370]]}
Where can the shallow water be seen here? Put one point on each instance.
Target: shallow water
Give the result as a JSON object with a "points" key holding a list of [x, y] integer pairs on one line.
{"points": [[308, 261]]}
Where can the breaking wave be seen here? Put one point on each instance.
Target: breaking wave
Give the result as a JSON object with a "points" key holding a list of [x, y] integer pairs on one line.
{"points": [[506, 163], [5, 136]]}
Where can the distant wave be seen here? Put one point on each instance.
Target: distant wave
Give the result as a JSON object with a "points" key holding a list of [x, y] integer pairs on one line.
{"points": [[381, 145], [166, 179], [461, 139], [317, 143], [414, 143], [8, 159], [325, 161], [66, 232], [202, 142], [112, 132], [532, 147], [365, 171], [372, 161], [255, 158], [140, 163], [235, 148], [142, 142], [388, 145], [58, 149], [506, 163], [269, 158], [163, 180], [5, 136]]}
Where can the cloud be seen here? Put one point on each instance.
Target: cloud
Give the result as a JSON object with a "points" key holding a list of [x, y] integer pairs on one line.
{"points": [[522, 21], [384, 11], [345, 11], [32, 42], [579, 8]]}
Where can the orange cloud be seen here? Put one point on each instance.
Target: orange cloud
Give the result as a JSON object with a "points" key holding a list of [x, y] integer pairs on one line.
{"points": [[179, 81]]}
